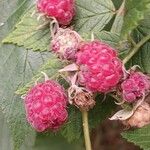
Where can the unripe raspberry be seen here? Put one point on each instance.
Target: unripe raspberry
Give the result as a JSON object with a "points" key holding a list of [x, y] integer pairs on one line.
{"points": [[65, 43], [45, 106], [140, 118], [100, 68], [135, 86], [62, 10]]}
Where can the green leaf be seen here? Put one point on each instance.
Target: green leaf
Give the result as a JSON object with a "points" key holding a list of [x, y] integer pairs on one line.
{"points": [[117, 3], [119, 19], [135, 11], [108, 37], [12, 11], [5, 140], [17, 67], [30, 33], [73, 129], [93, 15], [140, 137], [55, 142], [101, 111], [113, 39], [50, 67], [142, 57], [105, 36]]}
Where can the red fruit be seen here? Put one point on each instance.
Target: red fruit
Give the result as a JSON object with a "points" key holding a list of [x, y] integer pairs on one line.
{"points": [[140, 118], [45, 106], [100, 68], [65, 43], [62, 10], [135, 86]]}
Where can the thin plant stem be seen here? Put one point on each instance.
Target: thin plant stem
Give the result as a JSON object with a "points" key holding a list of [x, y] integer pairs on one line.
{"points": [[135, 49], [131, 40], [86, 130]]}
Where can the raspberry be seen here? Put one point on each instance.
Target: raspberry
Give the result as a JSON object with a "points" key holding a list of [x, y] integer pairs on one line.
{"points": [[62, 10], [100, 68], [65, 43], [135, 86], [45, 106], [140, 118]]}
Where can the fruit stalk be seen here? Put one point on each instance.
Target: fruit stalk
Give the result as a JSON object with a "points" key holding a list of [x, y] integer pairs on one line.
{"points": [[86, 130], [135, 49]]}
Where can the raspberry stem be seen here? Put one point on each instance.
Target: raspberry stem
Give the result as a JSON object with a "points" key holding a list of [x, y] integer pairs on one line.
{"points": [[86, 130], [135, 49]]}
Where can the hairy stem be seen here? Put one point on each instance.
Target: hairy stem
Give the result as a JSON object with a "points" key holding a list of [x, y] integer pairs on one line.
{"points": [[135, 49], [86, 130], [131, 40]]}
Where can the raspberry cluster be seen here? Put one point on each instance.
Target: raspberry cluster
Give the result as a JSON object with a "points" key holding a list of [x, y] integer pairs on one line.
{"points": [[100, 68], [96, 68], [62, 10], [135, 86], [45, 106]]}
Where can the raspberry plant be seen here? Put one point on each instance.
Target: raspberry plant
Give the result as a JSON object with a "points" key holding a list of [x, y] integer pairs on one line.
{"points": [[28, 53]]}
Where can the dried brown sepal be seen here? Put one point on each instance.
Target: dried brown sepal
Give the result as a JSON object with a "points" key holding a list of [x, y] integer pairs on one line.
{"points": [[84, 101], [81, 97], [140, 118]]}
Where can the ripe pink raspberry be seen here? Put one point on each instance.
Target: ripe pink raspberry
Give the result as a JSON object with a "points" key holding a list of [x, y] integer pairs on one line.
{"points": [[140, 118], [65, 43], [62, 10], [100, 68], [45, 106], [135, 86]]}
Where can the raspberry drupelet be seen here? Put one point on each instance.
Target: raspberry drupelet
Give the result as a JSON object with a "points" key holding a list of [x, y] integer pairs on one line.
{"points": [[45, 106]]}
